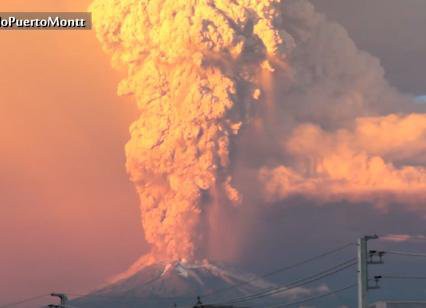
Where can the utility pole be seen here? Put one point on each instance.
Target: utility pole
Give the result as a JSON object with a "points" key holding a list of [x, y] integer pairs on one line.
{"points": [[363, 270]]}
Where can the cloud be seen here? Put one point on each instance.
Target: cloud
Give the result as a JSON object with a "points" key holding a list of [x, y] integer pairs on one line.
{"points": [[386, 29], [365, 163], [398, 238], [302, 292]]}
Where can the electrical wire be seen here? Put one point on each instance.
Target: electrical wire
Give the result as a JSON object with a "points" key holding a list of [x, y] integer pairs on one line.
{"points": [[408, 254], [280, 270], [285, 289], [22, 301], [184, 300], [297, 283], [404, 277], [126, 298], [146, 283], [316, 297]]}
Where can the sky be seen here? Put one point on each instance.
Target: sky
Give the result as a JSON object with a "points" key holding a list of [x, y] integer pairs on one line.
{"points": [[68, 213], [69, 216]]}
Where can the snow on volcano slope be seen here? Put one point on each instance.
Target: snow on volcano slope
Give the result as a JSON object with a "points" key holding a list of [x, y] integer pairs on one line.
{"points": [[162, 285]]}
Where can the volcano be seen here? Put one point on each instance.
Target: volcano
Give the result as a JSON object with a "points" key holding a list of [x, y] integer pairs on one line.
{"points": [[180, 283]]}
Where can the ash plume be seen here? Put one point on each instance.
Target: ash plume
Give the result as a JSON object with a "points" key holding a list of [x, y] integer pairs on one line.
{"points": [[239, 98], [192, 67]]}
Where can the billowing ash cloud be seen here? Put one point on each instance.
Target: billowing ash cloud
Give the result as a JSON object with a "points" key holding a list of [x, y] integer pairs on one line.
{"points": [[367, 162], [245, 98], [194, 68]]}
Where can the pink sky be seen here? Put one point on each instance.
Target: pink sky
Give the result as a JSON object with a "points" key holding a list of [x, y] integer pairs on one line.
{"points": [[68, 214]]}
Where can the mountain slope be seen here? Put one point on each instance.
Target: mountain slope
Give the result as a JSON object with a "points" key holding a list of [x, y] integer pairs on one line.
{"points": [[162, 285]]}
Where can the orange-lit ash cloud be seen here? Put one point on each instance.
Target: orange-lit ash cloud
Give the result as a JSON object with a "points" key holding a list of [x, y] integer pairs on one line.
{"points": [[225, 86], [191, 67], [355, 164]]}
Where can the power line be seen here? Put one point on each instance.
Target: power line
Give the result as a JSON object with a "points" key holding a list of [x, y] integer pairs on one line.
{"points": [[297, 283], [290, 287], [81, 296], [183, 301], [408, 254], [146, 283], [316, 297], [280, 270], [126, 298], [22, 301], [404, 277]]}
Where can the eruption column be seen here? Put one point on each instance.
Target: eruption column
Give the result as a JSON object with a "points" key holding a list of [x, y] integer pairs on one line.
{"points": [[191, 67]]}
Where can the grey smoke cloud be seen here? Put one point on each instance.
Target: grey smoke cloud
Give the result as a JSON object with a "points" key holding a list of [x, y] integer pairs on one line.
{"points": [[391, 30]]}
